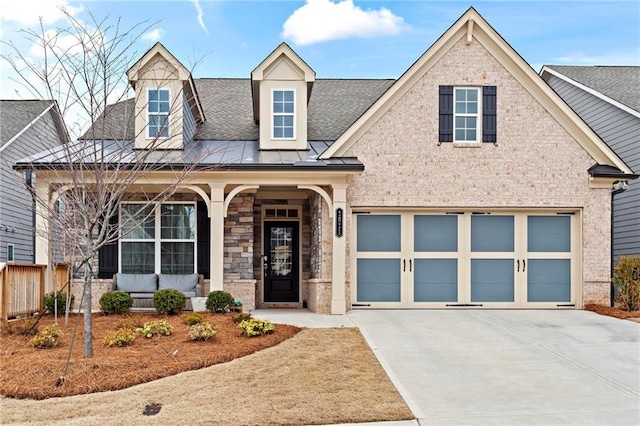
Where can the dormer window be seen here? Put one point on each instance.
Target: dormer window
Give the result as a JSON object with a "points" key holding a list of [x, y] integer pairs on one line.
{"points": [[158, 113], [283, 114]]}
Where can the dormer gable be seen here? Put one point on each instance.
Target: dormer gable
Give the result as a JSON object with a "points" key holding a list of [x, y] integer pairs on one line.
{"points": [[281, 87], [167, 108]]}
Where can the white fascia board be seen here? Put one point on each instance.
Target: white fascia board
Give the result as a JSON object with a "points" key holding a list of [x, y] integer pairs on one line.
{"points": [[24, 129]]}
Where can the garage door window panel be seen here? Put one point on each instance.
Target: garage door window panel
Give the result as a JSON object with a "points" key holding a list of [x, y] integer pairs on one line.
{"points": [[435, 280], [492, 280], [549, 280], [378, 280]]}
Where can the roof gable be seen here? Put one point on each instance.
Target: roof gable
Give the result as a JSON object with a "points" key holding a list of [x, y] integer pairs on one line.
{"points": [[471, 27], [16, 116], [617, 85]]}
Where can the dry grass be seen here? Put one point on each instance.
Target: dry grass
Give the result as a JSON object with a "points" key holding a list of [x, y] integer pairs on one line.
{"points": [[318, 376]]}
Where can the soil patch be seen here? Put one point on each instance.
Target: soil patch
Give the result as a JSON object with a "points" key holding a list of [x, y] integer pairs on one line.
{"points": [[613, 311], [26, 372]]}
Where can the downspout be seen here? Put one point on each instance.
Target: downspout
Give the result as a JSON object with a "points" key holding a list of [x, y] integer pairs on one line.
{"points": [[617, 188]]}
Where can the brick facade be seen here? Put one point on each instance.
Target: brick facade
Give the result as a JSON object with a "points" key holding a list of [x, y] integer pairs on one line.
{"points": [[535, 164]]}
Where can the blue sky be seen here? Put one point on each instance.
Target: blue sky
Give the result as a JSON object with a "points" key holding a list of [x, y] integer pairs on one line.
{"points": [[342, 38]]}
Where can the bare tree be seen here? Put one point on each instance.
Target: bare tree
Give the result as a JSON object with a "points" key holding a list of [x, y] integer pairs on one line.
{"points": [[84, 67]]}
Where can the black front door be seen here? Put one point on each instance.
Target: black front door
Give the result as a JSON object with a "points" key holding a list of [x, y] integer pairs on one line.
{"points": [[281, 262]]}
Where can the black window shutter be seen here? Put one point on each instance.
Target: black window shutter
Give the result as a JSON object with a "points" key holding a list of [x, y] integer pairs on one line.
{"points": [[203, 240], [489, 110], [108, 256], [446, 114]]}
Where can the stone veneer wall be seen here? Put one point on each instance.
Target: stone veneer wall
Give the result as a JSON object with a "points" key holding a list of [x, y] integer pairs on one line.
{"points": [[239, 251], [98, 288], [536, 163], [319, 286]]}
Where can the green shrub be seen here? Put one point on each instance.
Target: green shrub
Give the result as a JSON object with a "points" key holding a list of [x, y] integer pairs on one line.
{"points": [[219, 301], [120, 337], [242, 316], [169, 301], [192, 318], [47, 338], [115, 302], [155, 328], [626, 278], [201, 332], [256, 327], [61, 297]]}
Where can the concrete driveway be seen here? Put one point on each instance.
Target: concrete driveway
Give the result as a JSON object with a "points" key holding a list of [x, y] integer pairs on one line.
{"points": [[509, 367]]}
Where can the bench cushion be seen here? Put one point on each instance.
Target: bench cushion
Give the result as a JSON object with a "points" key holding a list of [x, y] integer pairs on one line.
{"points": [[132, 283], [185, 283]]}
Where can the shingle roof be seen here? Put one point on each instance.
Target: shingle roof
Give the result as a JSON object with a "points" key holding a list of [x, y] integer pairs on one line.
{"points": [[334, 105], [620, 83], [15, 115]]}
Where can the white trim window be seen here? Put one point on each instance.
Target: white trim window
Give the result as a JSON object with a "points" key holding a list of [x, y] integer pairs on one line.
{"points": [[158, 238], [466, 114], [283, 111], [158, 113]]}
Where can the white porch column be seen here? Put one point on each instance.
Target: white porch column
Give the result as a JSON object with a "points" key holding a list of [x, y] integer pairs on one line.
{"points": [[216, 281], [43, 225], [339, 256]]}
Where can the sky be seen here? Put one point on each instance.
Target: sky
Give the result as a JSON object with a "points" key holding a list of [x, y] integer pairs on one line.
{"points": [[337, 38]]}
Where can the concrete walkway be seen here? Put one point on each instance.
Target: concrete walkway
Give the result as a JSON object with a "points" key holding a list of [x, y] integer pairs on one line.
{"points": [[509, 367]]}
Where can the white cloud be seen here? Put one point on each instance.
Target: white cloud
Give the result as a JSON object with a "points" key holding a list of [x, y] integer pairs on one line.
{"points": [[153, 35], [324, 20], [196, 4], [29, 12]]}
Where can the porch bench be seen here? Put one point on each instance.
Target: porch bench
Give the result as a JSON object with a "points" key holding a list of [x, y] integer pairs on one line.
{"points": [[141, 287]]}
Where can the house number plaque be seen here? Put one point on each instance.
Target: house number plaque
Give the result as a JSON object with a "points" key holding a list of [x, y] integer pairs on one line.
{"points": [[339, 222]]}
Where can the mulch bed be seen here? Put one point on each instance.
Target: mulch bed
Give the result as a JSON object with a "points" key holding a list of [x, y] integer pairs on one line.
{"points": [[612, 312], [26, 372]]}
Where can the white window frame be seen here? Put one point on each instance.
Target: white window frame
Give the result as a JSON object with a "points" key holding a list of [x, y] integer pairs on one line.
{"points": [[11, 249], [284, 114], [477, 115], [149, 114], [158, 240]]}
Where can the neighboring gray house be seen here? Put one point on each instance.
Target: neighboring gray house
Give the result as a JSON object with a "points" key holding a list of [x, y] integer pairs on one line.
{"points": [[26, 128], [607, 98]]}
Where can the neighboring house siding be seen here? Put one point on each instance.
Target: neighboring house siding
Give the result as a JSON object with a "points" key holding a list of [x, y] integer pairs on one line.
{"points": [[15, 200], [536, 163], [621, 131]]}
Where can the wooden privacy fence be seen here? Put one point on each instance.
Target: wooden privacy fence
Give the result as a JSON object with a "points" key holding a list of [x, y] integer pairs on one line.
{"points": [[23, 289]]}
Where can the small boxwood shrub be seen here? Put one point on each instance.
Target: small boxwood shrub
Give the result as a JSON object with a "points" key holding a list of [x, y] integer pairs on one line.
{"points": [[219, 301], [155, 328], [115, 302], [47, 338], [256, 327], [120, 337], [626, 278], [130, 322], [201, 332], [59, 296], [242, 316], [192, 318], [169, 301]]}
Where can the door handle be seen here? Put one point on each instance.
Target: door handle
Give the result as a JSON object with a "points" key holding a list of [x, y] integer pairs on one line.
{"points": [[524, 264], [404, 265], [518, 263], [409, 265]]}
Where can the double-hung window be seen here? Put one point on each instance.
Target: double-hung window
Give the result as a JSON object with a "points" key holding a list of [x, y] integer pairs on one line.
{"points": [[465, 114], [468, 114], [158, 113], [158, 238], [283, 107]]}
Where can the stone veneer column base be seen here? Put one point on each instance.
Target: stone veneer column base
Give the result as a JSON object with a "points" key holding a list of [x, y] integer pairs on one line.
{"points": [[319, 291], [244, 290], [98, 288]]}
